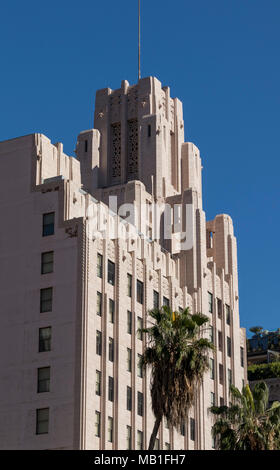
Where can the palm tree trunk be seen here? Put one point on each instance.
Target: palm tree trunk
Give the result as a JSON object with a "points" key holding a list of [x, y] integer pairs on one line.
{"points": [[154, 433]]}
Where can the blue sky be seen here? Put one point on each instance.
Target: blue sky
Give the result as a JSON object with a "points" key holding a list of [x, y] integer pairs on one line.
{"points": [[220, 57]]}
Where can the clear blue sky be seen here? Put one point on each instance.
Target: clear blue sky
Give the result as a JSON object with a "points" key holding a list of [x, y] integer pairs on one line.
{"points": [[220, 57]]}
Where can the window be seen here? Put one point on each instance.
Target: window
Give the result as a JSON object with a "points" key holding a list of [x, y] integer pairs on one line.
{"points": [[99, 304], [98, 383], [128, 398], [111, 273], [111, 349], [129, 359], [111, 389], [242, 357], [129, 285], [228, 346], [211, 334], [97, 423], [212, 399], [183, 429], [156, 446], [156, 299], [48, 224], [213, 442], [192, 429], [45, 339], [167, 446], [129, 322], [166, 423], [111, 311], [43, 379], [47, 262], [140, 403], [222, 401], [221, 374], [165, 301], [98, 343], [110, 429], [139, 328], [228, 314], [139, 366], [140, 292], [210, 302], [128, 438], [46, 296], [219, 308], [86, 146], [139, 440], [42, 421], [220, 340], [149, 130], [99, 265], [212, 369], [229, 378]]}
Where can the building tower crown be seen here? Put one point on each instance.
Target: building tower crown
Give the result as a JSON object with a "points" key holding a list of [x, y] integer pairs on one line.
{"points": [[141, 134]]}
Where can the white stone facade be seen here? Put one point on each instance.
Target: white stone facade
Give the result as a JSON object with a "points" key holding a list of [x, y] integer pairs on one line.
{"points": [[137, 153]]}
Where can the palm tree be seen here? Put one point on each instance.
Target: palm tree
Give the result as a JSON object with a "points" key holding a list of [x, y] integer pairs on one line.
{"points": [[178, 357], [248, 424]]}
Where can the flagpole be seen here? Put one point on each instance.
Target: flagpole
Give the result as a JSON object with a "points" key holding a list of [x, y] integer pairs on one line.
{"points": [[139, 42]]}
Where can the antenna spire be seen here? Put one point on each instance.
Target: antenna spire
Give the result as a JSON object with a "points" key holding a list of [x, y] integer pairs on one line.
{"points": [[139, 41]]}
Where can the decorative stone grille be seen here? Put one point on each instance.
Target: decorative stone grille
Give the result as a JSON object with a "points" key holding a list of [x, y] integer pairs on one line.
{"points": [[132, 151], [116, 151]]}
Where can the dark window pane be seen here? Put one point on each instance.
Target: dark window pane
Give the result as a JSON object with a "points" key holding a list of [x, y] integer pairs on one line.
{"points": [[111, 310], [98, 343], [242, 356], [99, 304], [192, 429], [210, 302], [228, 346], [46, 300], [111, 389], [48, 224], [111, 273], [129, 398], [98, 383], [165, 301], [220, 340], [139, 328], [156, 299], [45, 339], [221, 374], [97, 423], [140, 403], [129, 322], [47, 262], [111, 349], [43, 383], [140, 291], [99, 265], [42, 421], [129, 285], [228, 314], [219, 308]]}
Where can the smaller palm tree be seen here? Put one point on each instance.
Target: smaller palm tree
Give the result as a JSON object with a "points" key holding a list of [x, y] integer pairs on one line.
{"points": [[248, 424], [178, 356]]}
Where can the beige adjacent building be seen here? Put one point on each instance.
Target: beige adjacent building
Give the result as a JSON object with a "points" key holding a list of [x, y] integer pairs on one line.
{"points": [[88, 244]]}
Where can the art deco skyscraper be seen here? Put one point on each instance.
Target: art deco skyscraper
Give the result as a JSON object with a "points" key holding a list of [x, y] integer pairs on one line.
{"points": [[72, 296]]}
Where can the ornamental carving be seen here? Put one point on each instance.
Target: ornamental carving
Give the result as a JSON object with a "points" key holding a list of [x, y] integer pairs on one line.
{"points": [[132, 150], [116, 150]]}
